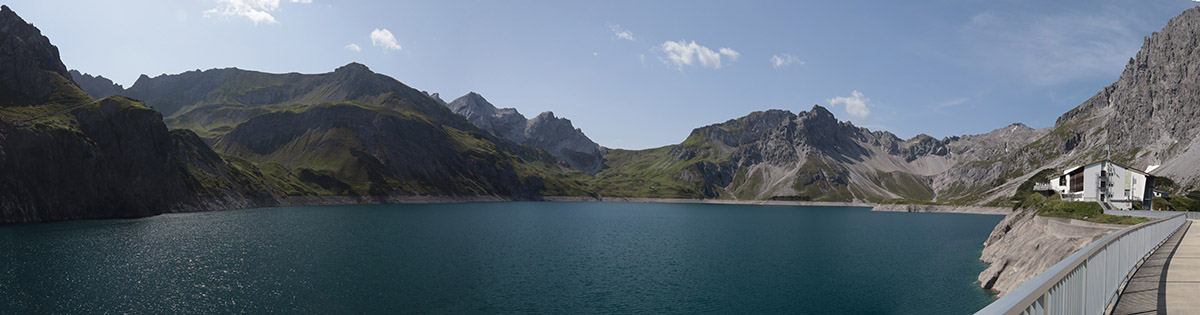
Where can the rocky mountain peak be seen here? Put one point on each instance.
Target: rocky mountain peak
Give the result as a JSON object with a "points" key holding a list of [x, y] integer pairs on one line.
{"points": [[818, 114], [545, 115], [353, 67], [820, 110], [545, 131], [31, 62], [472, 104]]}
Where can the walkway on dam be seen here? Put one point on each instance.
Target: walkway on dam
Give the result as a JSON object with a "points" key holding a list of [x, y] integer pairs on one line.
{"points": [[1169, 281]]}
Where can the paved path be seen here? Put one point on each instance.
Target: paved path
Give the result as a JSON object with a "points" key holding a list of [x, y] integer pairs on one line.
{"points": [[1183, 275], [1169, 281]]}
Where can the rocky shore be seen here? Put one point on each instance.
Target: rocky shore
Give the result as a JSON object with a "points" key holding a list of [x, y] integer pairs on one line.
{"points": [[1024, 244], [710, 201], [942, 209]]}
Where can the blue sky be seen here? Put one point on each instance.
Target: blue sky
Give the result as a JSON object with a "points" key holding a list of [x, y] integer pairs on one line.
{"points": [[640, 74]]}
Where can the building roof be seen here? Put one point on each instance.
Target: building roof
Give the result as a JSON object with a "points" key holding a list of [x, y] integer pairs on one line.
{"points": [[1070, 170]]}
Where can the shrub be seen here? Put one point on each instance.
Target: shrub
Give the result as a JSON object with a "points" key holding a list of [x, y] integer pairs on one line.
{"points": [[1086, 211], [1026, 187]]}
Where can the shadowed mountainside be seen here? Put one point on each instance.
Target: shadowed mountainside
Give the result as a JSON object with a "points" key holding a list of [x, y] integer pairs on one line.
{"points": [[96, 86], [65, 155]]}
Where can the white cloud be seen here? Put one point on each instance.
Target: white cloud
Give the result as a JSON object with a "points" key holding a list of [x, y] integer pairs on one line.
{"points": [[595, 54], [255, 10], [784, 60], [384, 38], [353, 47], [681, 54], [733, 54], [258, 11], [856, 104], [621, 33]]}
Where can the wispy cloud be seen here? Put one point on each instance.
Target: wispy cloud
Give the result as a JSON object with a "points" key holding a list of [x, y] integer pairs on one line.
{"points": [[353, 47], [384, 38], [784, 60], [258, 11], [1050, 49], [621, 33], [954, 102], [689, 54], [856, 104]]}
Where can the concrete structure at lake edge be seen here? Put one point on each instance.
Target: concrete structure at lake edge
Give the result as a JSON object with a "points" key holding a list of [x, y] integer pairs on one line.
{"points": [[1113, 185]]}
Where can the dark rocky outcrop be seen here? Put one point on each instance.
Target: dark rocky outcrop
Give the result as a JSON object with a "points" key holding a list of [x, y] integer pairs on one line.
{"points": [[114, 165], [29, 61], [545, 131], [64, 155]]}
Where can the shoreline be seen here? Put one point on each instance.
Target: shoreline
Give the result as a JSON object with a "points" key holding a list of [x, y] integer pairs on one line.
{"points": [[351, 200], [707, 201], [298, 201], [903, 207], [233, 204]]}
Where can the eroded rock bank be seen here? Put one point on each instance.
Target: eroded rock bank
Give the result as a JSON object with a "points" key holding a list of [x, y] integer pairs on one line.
{"points": [[709, 201], [1024, 244], [941, 209]]}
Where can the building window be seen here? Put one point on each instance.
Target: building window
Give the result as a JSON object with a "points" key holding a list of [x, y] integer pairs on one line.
{"points": [[1077, 182], [1062, 180]]}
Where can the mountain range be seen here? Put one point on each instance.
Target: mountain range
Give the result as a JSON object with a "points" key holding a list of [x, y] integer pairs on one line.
{"points": [[74, 145]]}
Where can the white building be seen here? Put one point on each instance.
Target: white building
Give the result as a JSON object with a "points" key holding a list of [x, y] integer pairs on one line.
{"points": [[1114, 185]]}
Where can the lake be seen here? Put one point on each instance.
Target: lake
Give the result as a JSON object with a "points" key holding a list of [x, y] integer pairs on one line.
{"points": [[513, 257]]}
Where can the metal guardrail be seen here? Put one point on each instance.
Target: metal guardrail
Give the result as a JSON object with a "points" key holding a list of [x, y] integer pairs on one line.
{"points": [[1087, 282], [1153, 214]]}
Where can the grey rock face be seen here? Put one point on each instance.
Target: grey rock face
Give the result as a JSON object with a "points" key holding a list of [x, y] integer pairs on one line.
{"points": [[812, 156], [553, 134], [1023, 245], [1150, 115], [29, 62], [96, 86]]}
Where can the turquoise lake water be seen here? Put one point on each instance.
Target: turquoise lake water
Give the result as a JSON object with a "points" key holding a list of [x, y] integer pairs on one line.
{"points": [[520, 257]]}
